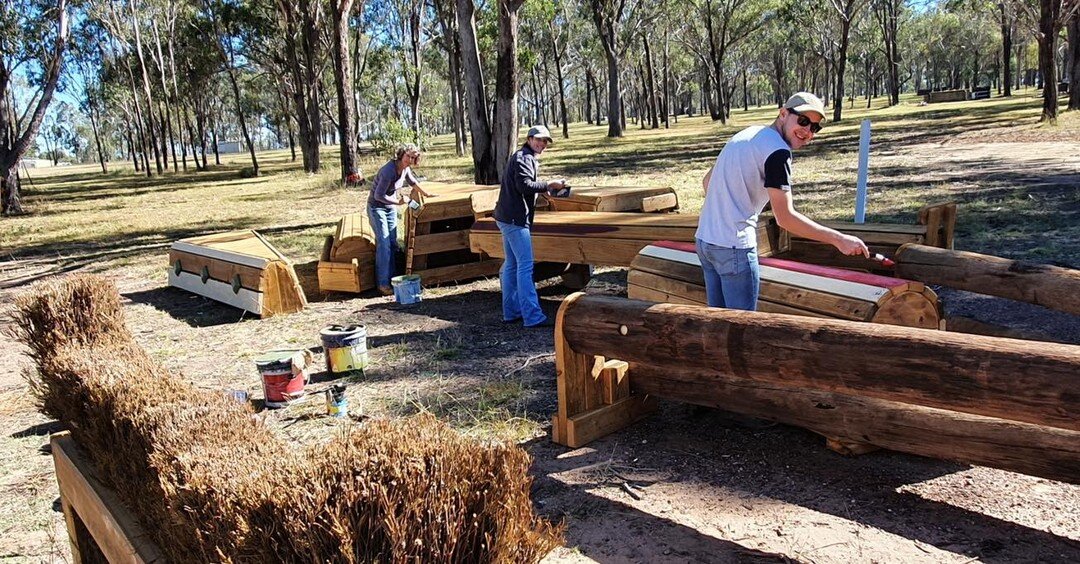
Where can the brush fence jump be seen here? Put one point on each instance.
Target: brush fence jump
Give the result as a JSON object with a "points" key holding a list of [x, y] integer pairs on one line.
{"points": [[437, 233], [935, 228], [670, 272], [97, 523], [1050, 286], [616, 199], [238, 268], [996, 402], [347, 263], [603, 238]]}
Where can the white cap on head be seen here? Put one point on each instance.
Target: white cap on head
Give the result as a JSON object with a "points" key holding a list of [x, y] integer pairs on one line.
{"points": [[803, 102], [540, 132]]}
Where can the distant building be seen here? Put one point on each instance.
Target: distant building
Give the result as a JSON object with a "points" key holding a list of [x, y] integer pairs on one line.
{"points": [[230, 147]]}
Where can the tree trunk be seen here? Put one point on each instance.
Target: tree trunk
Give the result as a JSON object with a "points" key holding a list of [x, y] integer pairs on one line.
{"points": [[504, 129], [650, 88], [1006, 51], [562, 85], [1049, 10], [484, 166], [1074, 61], [588, 95], [151, 126], [607, 17], [343, 83], [841, 59]]}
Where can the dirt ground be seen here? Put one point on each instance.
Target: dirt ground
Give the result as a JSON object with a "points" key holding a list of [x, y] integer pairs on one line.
{"points": [[686, 485]]}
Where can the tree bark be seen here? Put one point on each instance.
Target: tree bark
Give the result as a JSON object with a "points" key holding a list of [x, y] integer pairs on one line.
{"points": [[343, 83], [562, 86], [847, 12], [651, 86], [1074, 61], [606, 16], [484, 166], [228, 57], [504, 131], [1025, 381], [1049, 11]]}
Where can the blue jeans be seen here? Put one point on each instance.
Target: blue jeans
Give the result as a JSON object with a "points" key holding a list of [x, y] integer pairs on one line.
{"points": [[732, 276], [519, 299], [384, 224]]}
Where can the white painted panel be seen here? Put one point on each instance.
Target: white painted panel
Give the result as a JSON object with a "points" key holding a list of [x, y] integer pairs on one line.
{"points": [[217, 291], [855, 290], [217, 254]]}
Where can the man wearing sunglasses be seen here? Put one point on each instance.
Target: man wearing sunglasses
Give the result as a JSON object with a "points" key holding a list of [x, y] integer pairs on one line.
{"points": [[753, 169]]}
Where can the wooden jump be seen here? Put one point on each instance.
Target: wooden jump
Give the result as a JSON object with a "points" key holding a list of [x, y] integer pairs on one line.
{"points": [[98, 524], [437, 234], [347, 263], [603, 238], [1049, 286], [238, 268], [936, 226], [1003, 403], [670, 272]]}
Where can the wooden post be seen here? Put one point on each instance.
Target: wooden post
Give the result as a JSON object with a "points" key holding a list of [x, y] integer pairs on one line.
{"points": [[115, 531], [1034, 382], [1053, 287], [594, 396]]}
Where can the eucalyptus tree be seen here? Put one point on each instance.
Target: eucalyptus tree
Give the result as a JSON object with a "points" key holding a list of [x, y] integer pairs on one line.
{"points": [[33, 36], [617, 23], [1074, 61], [845, 11], [493, 140], [889, 14], [450, 41], [726, 23], [340, 13]]}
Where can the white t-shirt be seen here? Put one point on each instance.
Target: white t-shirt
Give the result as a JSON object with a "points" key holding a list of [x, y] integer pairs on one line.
{"points": [[754, 158]]}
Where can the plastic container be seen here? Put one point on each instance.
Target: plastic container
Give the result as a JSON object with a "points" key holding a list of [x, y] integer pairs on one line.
{"points": [[345, 347], [406, 289]]}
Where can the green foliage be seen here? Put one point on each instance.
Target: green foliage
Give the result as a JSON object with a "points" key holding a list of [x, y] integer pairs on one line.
{"points": [[392, 133]]}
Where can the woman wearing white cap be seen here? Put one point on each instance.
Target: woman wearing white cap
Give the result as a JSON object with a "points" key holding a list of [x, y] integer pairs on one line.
{"points": [[753, 169], [514, 216]]}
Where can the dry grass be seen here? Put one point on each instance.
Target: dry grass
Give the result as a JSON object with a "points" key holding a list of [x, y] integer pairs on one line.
{"points": [[211, 482]]}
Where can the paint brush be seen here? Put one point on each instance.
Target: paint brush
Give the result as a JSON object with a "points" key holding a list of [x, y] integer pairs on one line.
{"points": [[885, 261]]}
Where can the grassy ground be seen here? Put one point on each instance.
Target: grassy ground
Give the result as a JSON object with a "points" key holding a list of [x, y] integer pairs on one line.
{"points": [[1017, 182]]}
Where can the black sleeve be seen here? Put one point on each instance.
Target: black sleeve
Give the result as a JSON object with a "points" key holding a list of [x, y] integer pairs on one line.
{"points": [[778, 170]]}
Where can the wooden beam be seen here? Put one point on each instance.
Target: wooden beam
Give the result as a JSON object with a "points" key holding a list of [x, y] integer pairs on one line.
{"points": [[115, 530], [1049, 286], [1006, 378]]}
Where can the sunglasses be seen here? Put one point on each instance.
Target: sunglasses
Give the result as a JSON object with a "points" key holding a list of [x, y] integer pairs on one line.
{"points": [[804, 121]]}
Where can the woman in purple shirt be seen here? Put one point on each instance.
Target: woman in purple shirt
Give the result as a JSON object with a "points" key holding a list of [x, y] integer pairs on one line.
{"points": [[392, 184]]}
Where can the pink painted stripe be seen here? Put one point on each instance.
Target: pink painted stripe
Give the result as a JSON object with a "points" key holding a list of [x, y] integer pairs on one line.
{"points": [[805, 268]]}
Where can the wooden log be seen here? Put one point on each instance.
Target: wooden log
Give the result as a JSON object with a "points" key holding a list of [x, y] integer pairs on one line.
{"points": [[1006, 378], [84, 499], [1052, 287], [848, 419], [940, 222], [616, 199], [353, 239]]}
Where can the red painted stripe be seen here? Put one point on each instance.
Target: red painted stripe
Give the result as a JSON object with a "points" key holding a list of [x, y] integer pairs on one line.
{"points": [[805, 268]]}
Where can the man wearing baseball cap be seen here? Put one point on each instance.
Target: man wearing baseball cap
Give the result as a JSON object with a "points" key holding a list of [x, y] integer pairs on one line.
{"points": [[514, 215], [753, 169]]}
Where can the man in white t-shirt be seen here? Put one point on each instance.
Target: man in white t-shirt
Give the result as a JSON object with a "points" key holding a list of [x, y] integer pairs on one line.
{"points": [[753, 169]]}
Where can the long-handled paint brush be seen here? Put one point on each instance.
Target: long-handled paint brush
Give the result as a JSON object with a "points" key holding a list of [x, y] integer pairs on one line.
{"points": [[885, 261]]}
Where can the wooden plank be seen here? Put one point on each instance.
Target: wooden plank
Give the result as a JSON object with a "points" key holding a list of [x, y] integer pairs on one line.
{"points": [[218, 291], [590, 425], [345, 277], [614, 384], [1006, 378], [283, 292], [635, 292], [661, 202], [115, 530], [222, 271], [440, 242], [458, 272], [222, 255], [572, 372]]}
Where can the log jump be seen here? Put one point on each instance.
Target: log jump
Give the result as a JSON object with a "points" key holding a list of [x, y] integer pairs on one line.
{"points": [[1003, 403], [1049, 286]]}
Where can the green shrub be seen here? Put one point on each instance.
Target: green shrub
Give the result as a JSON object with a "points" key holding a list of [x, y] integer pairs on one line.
{"points": [[393, 133]]}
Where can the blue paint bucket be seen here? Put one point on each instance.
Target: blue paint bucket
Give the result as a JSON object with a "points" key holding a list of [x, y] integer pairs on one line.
{"points": [[406, 289], [345, 347]]}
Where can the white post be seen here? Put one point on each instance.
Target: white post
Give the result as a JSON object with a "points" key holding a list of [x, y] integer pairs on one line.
{"points": [[864, 165]]}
